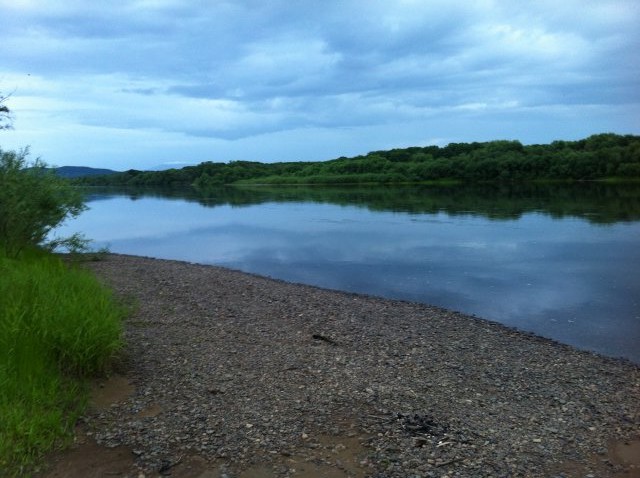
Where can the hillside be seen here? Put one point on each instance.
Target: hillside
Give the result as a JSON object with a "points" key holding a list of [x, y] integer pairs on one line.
{"points": [[81, 171]]}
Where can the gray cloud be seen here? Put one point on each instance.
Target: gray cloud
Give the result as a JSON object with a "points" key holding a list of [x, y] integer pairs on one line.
{"points": [[239, 69]]}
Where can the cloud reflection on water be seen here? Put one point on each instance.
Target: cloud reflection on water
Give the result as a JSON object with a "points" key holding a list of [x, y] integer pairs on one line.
{"points": [[562, 278]]}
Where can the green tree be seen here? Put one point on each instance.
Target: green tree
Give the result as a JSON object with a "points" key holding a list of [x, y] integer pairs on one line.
{"points": [[33, 201]]}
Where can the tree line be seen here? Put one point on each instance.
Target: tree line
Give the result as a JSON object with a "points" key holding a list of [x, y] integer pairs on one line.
{"points": [[599, 156]]}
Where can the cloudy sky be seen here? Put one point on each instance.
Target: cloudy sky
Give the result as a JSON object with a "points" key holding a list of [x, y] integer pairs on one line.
{"points": [[139, 83]]}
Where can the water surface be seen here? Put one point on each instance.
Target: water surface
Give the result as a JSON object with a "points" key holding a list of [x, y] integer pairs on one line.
{"points": [[558, 261]]}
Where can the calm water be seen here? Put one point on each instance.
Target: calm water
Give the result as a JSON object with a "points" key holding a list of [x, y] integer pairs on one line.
{"points": [[562, 262]]}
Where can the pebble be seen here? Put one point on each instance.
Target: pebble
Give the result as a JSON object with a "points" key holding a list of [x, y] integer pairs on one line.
{"points": [[407, 389]]}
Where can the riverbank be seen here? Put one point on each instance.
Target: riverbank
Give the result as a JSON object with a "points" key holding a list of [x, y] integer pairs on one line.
{"points": [[236, 375]]}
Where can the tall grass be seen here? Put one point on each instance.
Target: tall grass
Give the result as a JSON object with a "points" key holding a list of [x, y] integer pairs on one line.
{"points": [[58, 326]]}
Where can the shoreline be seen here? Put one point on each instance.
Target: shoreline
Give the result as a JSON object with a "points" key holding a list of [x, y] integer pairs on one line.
{"points": [[238, 372]]}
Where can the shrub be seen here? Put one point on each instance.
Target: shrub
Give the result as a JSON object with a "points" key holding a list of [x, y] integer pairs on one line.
{"points": [[33, 201]]}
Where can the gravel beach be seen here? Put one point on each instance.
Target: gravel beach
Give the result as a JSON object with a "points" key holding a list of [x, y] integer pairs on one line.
{"points": [[229, 374]]}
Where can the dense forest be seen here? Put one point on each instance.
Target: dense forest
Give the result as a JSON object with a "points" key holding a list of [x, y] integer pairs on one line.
{"points": [[599, 156]]}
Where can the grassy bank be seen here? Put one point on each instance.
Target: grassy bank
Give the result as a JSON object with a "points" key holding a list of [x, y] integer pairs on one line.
{"points": [[58, 326]]}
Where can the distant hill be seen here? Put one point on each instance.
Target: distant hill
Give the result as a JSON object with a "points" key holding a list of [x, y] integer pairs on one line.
{"points": [[81, 171]]}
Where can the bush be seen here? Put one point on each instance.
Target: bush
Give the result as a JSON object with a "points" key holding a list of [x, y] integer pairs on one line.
{"points": [[33, 201]]}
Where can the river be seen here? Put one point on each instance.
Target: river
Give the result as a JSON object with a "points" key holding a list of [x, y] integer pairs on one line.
{"points": [[560, 261]]}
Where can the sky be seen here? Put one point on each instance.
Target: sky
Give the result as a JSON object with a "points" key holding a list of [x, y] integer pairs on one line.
{"points": [[145, 84]]}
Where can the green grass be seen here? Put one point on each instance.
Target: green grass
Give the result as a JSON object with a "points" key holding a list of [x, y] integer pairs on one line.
{"points": [[58, 326]]}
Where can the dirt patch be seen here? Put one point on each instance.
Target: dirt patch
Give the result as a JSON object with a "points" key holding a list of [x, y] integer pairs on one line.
{"points": [[152, 411], [109, 391], [621, 460], [336, 457], [627, 454], [85, 458]]}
